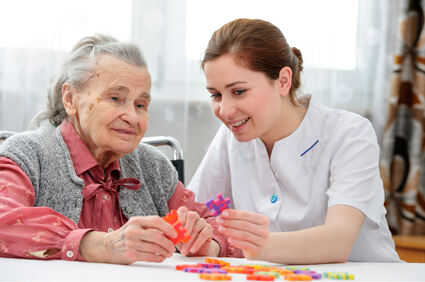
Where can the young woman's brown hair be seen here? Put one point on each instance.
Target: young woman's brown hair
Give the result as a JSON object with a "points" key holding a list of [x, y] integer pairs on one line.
{"points": [[257, 45]]}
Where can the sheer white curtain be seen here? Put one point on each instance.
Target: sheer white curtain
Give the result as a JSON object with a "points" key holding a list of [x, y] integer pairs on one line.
{"points": [[35, 36], [383, 58], [344, 45]]}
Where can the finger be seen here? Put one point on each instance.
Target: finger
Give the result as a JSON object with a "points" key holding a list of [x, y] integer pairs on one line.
{"points": [[194, 235], [152, 248], [150, 257], [191, 219], [261, 230], [133, 233], [253, 217], [184, 248], [179, 246], [181, 215], [204, 236], [154, 222], [245, 246], [243, 235], [158, 238]]}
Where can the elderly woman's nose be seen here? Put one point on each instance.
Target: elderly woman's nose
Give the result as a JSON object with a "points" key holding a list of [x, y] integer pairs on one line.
{"points": [[130, 115]]}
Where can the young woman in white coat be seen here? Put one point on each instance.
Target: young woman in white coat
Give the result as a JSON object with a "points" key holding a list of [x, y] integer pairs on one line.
{"points": [[303, 178]]}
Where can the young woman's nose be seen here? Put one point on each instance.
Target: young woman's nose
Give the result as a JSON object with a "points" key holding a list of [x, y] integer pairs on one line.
{"points": [[227, 108]]}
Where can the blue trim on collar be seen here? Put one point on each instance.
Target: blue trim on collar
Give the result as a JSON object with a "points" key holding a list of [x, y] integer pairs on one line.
{"points": [[310, 148]]}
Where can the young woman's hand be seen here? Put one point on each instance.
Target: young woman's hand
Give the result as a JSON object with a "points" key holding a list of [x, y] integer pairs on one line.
{"points": [[140, 239], [247, 231], [200, 242]]}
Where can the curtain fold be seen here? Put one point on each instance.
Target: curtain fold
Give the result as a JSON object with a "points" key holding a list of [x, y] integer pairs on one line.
{"points": [[402, 149]]}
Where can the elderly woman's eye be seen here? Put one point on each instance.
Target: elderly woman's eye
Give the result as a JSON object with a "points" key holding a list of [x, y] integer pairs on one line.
{"points": [[115, 99], [140, 106]]}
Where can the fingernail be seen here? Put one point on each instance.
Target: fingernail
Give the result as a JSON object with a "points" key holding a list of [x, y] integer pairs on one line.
{"points": [[221, 228], [192, 250], [219, 220], [225, 213]]}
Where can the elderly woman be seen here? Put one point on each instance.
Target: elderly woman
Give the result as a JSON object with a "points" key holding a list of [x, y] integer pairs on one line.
{"points": [[81, 187]]}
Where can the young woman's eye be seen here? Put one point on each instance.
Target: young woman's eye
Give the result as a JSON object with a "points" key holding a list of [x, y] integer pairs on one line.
{"points": [[215, 96], [239, 91]]}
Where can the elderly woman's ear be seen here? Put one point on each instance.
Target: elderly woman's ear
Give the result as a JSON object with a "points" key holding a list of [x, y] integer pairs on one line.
{"points": [[68, 99]]}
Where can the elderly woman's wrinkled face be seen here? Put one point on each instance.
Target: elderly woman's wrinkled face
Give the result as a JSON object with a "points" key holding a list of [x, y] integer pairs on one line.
{"points": [[111, 113]]}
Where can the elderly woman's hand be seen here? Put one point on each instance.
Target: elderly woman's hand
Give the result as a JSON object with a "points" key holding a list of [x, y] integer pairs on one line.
{"points": [[140, 239], [200, 242], [247, 231]]}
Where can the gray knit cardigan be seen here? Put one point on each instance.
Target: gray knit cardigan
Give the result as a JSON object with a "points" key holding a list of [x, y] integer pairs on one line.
{"points": [[44, 157]]}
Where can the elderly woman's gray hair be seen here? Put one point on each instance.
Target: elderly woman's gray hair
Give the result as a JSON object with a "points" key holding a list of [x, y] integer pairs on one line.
{"points": [[78, 68]]}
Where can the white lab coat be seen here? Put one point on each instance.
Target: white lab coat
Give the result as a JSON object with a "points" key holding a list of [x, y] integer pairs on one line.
{"points": [[332, 158]]}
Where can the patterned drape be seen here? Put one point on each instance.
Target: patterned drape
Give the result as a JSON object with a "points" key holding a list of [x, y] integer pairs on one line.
{"points": [[402, 158]]}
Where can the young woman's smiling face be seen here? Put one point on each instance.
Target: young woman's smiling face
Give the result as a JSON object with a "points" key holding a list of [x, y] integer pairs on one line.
{"points": [[247, 102]]}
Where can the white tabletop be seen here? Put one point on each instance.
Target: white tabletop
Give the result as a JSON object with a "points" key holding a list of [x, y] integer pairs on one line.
{"points": [[57, 270]]}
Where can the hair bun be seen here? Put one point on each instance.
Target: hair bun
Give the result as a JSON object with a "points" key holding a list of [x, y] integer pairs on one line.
{"points": [[297, 53]]}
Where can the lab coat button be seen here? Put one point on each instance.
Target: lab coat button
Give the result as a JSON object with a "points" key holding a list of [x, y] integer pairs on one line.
{"points": [[273, 199]]}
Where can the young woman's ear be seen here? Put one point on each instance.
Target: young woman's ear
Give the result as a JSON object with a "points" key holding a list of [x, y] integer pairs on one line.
{"points": [[68, 100], [285, 80]]}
